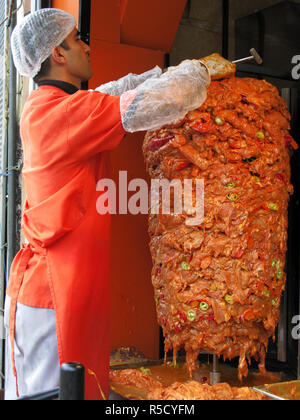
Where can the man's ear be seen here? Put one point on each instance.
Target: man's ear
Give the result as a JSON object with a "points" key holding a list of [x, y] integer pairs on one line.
{"points": [[58, 55]]}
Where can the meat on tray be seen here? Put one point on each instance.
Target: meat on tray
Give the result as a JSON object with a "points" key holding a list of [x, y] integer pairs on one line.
{"points": [[192, 390], [218, 285]]}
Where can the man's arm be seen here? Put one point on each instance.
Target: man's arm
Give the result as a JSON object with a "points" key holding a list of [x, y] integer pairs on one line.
{"points": [[167, 99], [129, 82]]}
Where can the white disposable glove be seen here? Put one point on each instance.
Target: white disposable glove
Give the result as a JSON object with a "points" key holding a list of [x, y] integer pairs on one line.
{"points": [[129, 82], [167, 99]]}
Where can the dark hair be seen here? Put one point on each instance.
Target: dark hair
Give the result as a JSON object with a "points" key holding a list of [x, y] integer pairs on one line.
{"points": [[46, 65]]}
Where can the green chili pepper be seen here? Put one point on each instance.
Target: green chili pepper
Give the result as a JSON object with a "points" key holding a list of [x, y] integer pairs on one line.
{"points": [[146, 371], [185, 265], [279, 274], [230, 185], [260, 135], [172, 364], [274, 302], [204, 306], [267, 293], [273, 263], [219, 121], [273, 206], [229, 299], [278, 263], [191, 315], [232, 197]]}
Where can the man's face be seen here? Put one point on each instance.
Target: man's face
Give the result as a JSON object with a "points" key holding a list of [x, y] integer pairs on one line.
{"points": [[78, 57]]}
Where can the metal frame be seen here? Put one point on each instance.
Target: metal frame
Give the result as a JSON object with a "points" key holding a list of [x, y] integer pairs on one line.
{"points": [[84, 26]]}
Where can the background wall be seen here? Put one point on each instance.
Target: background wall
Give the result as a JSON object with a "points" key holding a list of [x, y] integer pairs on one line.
{"points": [[200, 30]]}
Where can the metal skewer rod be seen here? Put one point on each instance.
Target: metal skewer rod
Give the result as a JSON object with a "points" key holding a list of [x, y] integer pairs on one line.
{"points": [[215, 363], [215, 374], [254, 56]]}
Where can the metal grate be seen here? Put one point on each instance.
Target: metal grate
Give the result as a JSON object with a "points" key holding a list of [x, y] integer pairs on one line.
{"points": [[3, 42], [2, 75]]}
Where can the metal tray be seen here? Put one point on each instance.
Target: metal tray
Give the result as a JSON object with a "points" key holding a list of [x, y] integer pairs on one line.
{"points": [[282, 391]]}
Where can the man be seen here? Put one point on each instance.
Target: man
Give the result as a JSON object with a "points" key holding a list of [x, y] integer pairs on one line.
{"points": [[57, 301]]}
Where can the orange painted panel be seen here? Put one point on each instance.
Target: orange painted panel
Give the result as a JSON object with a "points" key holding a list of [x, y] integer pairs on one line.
{"points": [[105, 20], [132, 307], [70, 6], [111, 61], [123, 7], [132, 314], [151, 24]]}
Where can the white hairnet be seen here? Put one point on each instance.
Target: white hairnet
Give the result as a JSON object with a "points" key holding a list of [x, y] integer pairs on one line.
{"points": [[36, 35]]}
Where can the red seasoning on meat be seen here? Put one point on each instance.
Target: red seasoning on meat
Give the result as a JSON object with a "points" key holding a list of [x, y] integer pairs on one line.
{"points": [[218, 285]]}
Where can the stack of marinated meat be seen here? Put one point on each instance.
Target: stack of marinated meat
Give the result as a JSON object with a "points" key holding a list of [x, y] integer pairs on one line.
{"points": [[218, 285]]}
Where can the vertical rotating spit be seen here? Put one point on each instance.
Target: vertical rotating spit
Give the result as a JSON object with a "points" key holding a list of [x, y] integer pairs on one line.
{"points": [[215, 374]]}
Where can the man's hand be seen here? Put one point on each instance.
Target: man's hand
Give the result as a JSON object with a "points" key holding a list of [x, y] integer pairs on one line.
{"points": [[218, 67]]}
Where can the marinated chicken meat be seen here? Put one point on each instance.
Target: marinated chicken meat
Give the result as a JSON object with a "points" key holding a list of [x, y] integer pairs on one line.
{"points": [[134, 377], [195, 391], [218, 67], [218, 285], [192, 390]]}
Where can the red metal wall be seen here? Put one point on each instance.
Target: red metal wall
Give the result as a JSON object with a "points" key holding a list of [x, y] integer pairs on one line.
{"points": [[130, 36]]}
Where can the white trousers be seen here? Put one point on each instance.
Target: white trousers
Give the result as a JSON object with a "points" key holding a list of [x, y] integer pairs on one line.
{"points": [[36, 354]]}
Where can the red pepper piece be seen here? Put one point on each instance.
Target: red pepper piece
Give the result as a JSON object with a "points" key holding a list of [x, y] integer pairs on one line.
{"points": [[206, 318], [263, 207], [281, 177], [182, 316], [202, 127], [199, 300], [156, 144], [235, 144], [182, 165], [178, 327], [239, 254]]}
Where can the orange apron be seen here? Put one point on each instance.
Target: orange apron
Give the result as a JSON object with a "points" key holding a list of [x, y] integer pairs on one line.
{"points": [[65, 266]]}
